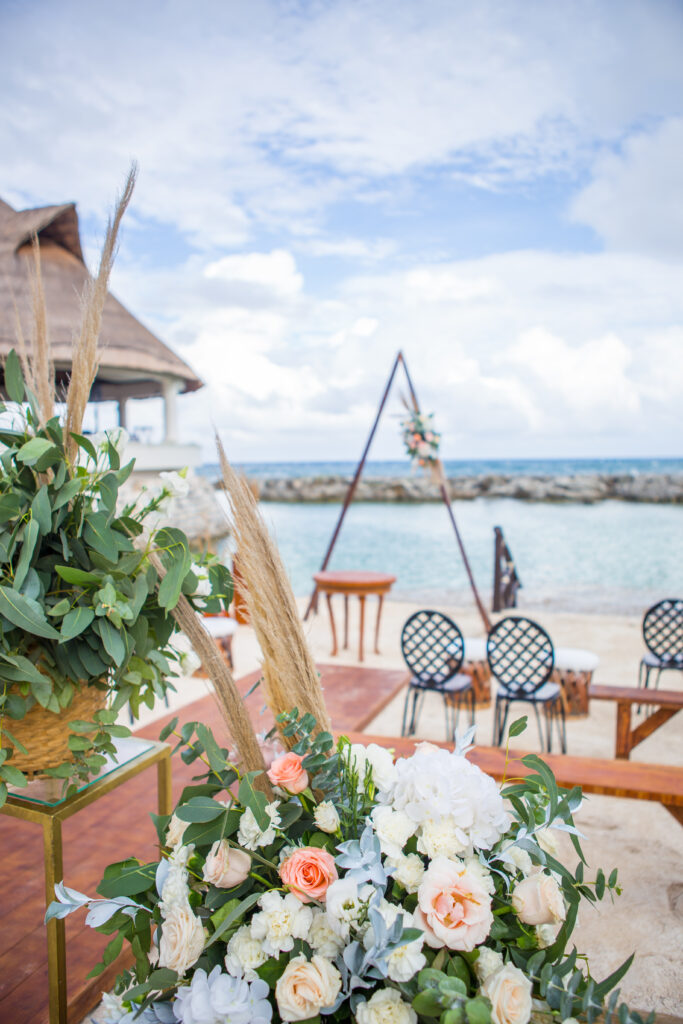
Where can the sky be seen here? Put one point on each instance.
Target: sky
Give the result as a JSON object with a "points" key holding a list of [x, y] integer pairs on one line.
{"points": [[492, 187]]}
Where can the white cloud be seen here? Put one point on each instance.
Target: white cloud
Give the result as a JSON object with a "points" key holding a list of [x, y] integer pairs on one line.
{"points": [[635, 200], [274, 271]]}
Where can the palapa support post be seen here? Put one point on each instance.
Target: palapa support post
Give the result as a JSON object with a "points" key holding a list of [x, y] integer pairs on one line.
{"points": [[443, 489]]}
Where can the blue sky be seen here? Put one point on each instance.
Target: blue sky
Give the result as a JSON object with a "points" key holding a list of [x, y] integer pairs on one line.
{"points": [[494, 187]]}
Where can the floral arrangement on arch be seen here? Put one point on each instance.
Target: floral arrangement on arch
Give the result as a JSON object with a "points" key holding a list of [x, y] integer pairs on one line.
{"points": [[421, 440], [365, 889]]}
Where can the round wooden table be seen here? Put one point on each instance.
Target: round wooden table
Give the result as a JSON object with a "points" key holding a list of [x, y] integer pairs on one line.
{"points": [[360, 584]]}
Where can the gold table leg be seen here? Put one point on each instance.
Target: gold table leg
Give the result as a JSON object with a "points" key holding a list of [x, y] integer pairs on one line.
{"points": [[165, 796], [56, 943]]}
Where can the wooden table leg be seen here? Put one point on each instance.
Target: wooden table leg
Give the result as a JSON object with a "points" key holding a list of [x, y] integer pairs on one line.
{"points": [[623, 742], [328, 598], [361, 598], [164, 794], [379, 616], [346, 622], [56, 941]]}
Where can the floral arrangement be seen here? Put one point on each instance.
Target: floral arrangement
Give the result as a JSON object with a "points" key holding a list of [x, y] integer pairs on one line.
{"points": [[421, 440], [366, 889], [80, 603]]}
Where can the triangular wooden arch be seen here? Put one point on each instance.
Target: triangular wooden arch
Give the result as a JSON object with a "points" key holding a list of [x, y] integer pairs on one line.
{"points": [[443, 487]]}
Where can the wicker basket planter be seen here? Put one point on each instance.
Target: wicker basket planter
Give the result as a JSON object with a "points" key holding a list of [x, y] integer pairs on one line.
{"points": [[46, 734]]}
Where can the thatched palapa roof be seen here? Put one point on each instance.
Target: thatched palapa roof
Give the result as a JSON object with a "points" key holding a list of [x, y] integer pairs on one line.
{"points": [[133, 362]]}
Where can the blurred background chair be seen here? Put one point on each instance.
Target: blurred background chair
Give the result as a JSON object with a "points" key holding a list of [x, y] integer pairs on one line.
{"points": [[433, 649], [663, 635], [521, 658]]}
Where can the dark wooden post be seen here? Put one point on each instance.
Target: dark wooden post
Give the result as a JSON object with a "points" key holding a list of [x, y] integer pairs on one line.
{"points": [[497, 574]]}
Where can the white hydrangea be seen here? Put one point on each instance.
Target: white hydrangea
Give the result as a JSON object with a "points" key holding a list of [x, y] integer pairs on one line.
{"points": [[346, 902], [435, 784], [488, 962], [322, 937], [385, 1006], [392, 828], [251, 835], [219, 999], [408, 870], [280, 920], [244, 954]]}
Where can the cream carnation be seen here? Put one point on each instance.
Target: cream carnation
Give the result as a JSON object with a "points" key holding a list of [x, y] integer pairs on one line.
{"points": [[306, 987], [538, 900], [441, 838], [488, 962], [454, 909], [280, 920], [385, 1006], [175, 831], [346, 904], [392, 828], [251, 835], [519, 857], [225, 867], [326, 816], [509, 990], [322, 937], [408, 870], [182, 940], [244, 954]]}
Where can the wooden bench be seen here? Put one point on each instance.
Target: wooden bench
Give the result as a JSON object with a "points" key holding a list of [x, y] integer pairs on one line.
{"points": [[668, 702], [657, 782]]}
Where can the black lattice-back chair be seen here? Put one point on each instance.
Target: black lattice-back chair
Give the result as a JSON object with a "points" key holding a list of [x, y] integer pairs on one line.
{"points": [[433, 649], [663, 635], [521, 658]]}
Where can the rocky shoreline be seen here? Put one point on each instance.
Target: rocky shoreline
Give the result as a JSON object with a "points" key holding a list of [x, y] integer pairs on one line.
{"points": [[587, 488]]}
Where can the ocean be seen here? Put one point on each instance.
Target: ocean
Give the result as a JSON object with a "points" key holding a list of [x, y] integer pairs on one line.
{"points": [[610, 557]]}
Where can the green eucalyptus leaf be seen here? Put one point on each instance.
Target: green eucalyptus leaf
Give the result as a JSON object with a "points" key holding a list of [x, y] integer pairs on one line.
{"points": [[14, 378], [175, 555], [86, 445], [10, 506], [127, 878], [26, 613], [34, 449], [112, 639], [68, 492], [98, 534], [76, 621], [42, 512], [29, 540], [199, 808]]}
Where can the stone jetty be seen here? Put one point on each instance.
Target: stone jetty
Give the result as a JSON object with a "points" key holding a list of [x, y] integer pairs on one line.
{"points": [[585, 488]]}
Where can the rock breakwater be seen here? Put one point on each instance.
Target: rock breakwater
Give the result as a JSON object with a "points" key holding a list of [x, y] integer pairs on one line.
{"points": [[586, 488]]}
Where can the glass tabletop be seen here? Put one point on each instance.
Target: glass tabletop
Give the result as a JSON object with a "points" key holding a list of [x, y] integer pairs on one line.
{"points": [[48, 792]]}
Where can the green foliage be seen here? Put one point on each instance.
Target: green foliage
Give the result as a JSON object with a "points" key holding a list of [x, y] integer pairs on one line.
{"points": [[80, 603]]}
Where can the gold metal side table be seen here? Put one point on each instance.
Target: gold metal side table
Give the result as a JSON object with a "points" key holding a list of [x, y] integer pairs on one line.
{"points": [[36, 805]]}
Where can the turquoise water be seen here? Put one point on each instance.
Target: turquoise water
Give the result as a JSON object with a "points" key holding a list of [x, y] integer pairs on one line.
{"points": [[611, 556]]}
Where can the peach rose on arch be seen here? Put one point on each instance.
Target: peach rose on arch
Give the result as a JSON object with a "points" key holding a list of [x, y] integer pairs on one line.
{"points": [[288, 773], [453, 908], [309, 872]]}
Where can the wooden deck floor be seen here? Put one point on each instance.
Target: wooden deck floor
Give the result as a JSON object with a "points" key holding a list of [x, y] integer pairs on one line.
{"points": [[118, 826]]}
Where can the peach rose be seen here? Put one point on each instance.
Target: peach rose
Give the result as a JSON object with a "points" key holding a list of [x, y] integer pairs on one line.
{"points": [[305, 987], [287, 773], [538, 900], [309, 872], [453, 908], [225, 867], [509, 990]]}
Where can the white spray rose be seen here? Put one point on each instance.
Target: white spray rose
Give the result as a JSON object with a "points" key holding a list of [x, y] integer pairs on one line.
{"points": [[326, 816], [226, 867], [547, 840], [385, 1007], [182, 940], [251, 835], [306, 987], [538, 900], [509, 990], [280, 920], [244, 954], [488, 962], [176, 483]]}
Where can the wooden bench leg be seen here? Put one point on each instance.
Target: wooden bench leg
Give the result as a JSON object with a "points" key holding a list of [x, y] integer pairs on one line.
{"points": [[623, 742], [328, 598]]}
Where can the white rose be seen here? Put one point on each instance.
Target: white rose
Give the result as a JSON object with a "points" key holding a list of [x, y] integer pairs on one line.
{"points": [[326, 816], [546, 934], [408, 960], [408, 870], [280, 920], [225, 867], [251, 835], [203, 581], [441, 839], [385, 1007], [510, 993], [383, 768], [306, 987], [175, 831], [488, 962], [547, 840], [322, 937], [392, 828], [182, 940], [244, 955], [538, 900]]}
